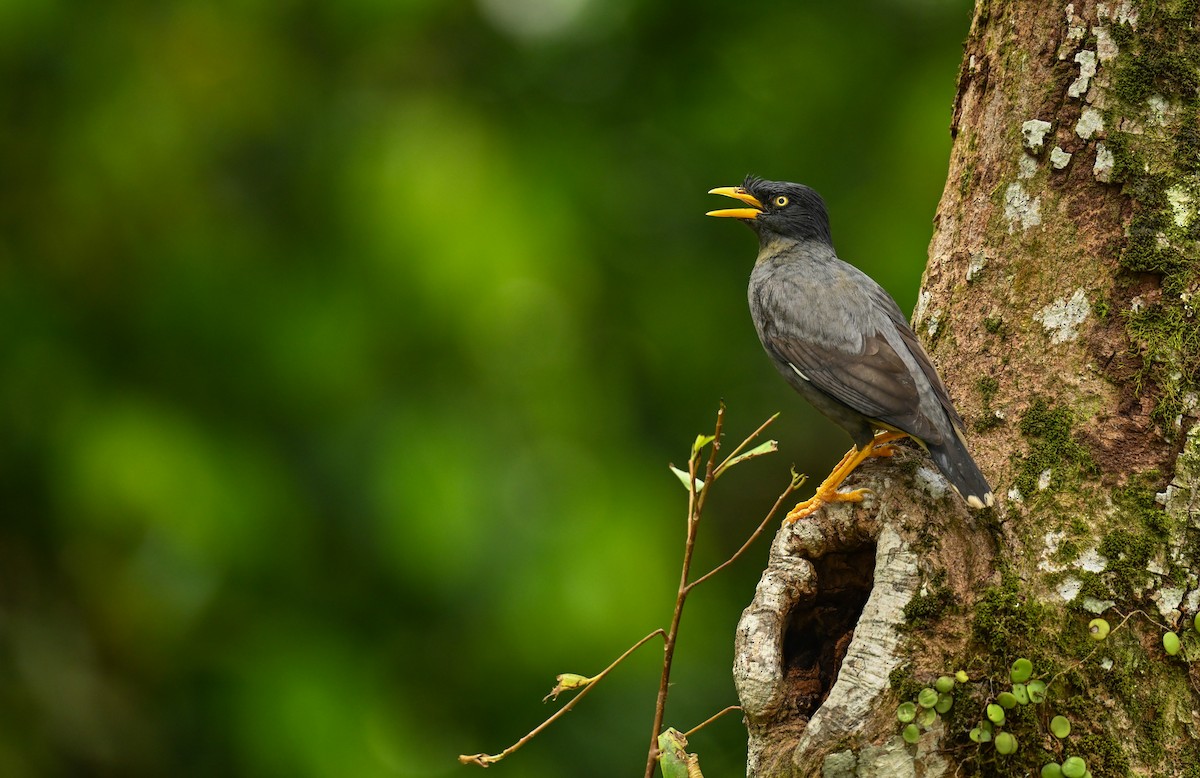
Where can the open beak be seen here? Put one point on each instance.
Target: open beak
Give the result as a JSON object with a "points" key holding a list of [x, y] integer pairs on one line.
{"points": [[737, 193]]}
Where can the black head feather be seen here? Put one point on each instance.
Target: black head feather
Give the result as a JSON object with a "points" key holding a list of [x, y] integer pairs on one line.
{"points": [[800, 216]]}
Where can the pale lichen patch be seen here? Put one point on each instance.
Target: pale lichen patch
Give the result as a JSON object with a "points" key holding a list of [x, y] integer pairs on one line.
{"points": [[1033, 134], [1087, 71], [1076, 30], [1097, 606], [976, 264], [1105, 160], [1181, 205], [931, 482], [1106, 47], [1092, 561], [1090, 122], [1159, 109], [1059, 159], [1027, 167], [935, 322], [1053, 540], [1062, 318], [1167, 599], [1020, 208], [922, 305], [1068, 589]]}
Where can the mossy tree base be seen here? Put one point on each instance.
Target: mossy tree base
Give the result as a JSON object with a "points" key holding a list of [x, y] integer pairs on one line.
{"points": [[1058, 304]]}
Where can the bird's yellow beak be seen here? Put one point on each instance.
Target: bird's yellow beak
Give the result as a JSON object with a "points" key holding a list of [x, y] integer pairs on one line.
{"points": [[737, 193]]}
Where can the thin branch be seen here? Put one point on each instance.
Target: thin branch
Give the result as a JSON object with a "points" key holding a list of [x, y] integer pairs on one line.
{"points": [[741, 447], [710, 720], [695, 509], [796, 483], [485, 760]]}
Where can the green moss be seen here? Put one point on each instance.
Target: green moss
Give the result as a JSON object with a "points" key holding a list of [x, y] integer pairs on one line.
{"points": [[1169, 341], [1161, 57], [1187, 141], [1092, 586], [928, 607], [1139, 506], [1067, 552], [1005, 621], [903, 683], [1052, 447], [1105, 756], [993, 324], [1127, 553]]}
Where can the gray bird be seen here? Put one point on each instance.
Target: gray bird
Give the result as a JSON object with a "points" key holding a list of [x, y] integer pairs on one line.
{"points": [[841, 341]]}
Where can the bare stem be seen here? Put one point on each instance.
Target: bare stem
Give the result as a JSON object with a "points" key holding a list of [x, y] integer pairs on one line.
{"points": [[485, 760], [695, 509], [710, 720]]}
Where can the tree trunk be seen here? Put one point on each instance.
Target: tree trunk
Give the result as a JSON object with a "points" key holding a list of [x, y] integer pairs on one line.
{"points": [[1057, 306]]}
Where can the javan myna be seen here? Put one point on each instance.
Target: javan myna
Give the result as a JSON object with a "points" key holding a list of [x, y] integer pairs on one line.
{"points": [[840, 340]]}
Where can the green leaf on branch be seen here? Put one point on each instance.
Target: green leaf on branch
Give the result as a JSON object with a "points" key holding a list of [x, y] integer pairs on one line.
{"points": [[769, 447], [567, 682], [673, 758], [684, 477]]}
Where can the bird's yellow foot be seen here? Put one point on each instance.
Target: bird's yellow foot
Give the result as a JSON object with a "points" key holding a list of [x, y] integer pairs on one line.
{"points": [[828, 492]]}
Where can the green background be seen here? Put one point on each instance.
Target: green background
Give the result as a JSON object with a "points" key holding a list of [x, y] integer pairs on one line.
{"points": [[345, 347]]}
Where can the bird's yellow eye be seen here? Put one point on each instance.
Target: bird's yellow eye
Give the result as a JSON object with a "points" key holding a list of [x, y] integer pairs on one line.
{"points": [[781, 201]]}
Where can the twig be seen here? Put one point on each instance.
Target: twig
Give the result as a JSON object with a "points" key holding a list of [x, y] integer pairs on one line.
{"points": [[725, 462], [485, 760], [797, 482], [710, 720], [695, 508]]}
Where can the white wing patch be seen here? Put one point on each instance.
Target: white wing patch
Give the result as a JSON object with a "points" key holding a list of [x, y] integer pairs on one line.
{"points": [[796, 370]]}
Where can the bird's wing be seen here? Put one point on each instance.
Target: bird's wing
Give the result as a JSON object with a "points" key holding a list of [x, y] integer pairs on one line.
{"points": [[909, 339], [935, 381], [873, 380]]}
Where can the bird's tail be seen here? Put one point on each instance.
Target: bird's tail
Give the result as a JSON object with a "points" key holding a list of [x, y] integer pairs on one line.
{"points": [[955, 462]]}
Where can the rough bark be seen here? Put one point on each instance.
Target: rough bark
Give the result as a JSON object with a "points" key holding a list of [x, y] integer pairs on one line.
{"points": [[1057, 306]]}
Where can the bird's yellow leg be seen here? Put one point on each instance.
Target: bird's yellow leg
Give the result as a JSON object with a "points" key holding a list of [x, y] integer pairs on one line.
{"points": [[828, 492]]}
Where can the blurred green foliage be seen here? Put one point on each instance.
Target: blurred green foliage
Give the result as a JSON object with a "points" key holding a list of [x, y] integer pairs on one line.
{"points": [[345, 346]]}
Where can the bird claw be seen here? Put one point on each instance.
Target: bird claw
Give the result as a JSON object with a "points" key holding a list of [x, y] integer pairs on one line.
{"points": [[817, 501]]}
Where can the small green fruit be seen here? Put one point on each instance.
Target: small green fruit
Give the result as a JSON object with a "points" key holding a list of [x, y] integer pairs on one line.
{"points": [[1006, 744], [1098, 629], [1052, 770], [927, 698], [1007, 699], [944, 703], [1196, 623], [1073, 767], [944, 684], [1171, 643], [1036, 691], [906, 712], [1021, 693], [962, 677], [1060, 726], [926, 717], [911, 734], [1021, 670], [995, 713]]}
